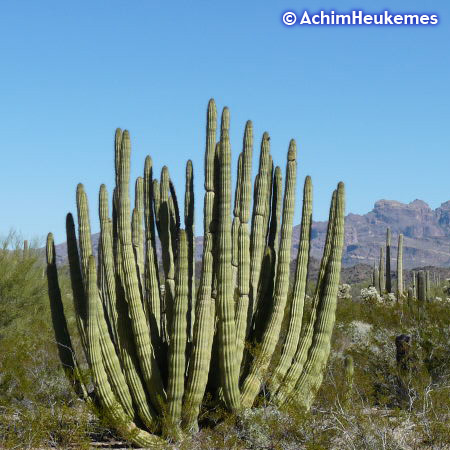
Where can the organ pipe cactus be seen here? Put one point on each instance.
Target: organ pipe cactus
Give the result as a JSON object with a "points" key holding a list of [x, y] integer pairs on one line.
{"points": [[151, 350]]}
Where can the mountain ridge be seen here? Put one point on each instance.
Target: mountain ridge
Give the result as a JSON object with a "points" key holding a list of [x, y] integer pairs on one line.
{"points": [[426, 235]]}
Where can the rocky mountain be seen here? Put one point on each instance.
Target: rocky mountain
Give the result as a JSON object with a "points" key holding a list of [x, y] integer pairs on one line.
{"points": [[426, 235]]}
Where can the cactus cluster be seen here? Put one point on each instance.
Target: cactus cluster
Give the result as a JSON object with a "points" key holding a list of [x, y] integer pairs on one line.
{"points": [[155, 341]]}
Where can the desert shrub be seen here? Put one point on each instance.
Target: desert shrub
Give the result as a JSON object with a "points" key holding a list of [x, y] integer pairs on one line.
{"points": [[37, 403]]}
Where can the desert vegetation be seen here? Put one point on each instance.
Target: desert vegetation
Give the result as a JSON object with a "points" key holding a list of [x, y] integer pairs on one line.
{"points": [[132, 348]]}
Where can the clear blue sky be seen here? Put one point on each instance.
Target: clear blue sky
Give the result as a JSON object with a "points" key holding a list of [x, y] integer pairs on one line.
{"points": [[367, 105]]}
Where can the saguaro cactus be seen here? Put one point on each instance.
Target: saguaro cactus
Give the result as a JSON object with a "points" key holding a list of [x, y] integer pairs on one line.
{"points": [[376, 278], [388, 261], [150, 350], [400, 267], [381, 272]]}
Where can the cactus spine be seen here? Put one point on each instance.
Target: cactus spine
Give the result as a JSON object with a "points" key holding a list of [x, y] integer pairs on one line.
{"points": [[150, 349]]}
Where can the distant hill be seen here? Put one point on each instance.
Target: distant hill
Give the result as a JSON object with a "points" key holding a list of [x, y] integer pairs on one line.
{"points": [[426, 235]]}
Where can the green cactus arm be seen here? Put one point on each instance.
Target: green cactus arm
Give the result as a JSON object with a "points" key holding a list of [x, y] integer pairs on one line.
{"points": [[151, 270], [299, 291], [119, 382], [266, 284], [258, 230], [388, 261], [190, 233], [178, 338], [150, 211], [175, 221], [112, 365], [268, 199], [400, 267], [202, 334], [76, 280], [211, 127], [226, 328], [202, 338], [103, 387], [376, 276], [84, 229], [130, 362], [168, 259], [236, 223], [274, 229], [246, 183], [243, 290], [296, 367], [382, 272], [157, 202], [243, 275], [313, 371], [252, 383], [117, 153], [421, 286], [108, 286], [137, 228], [62, 336], [266, 289], [130, 283]]}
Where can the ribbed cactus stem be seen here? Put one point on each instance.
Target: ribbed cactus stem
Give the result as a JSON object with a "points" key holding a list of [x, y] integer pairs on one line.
{"points": [[252, 383], [381, 272], [236, 224], [76, 279], [388, 261], [400, 267], [277, 196], [298, 362], [103, 387], [137, 228], [61, 330], [130, 282], [166, 245], [243, 269], [84, 229], [178, 338], [299, 291], [190, 234], [204, 314], [152, 300], [312, 375], [226, 328], [258, 230], [108, 284], [376, 278], [421, 286]]}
